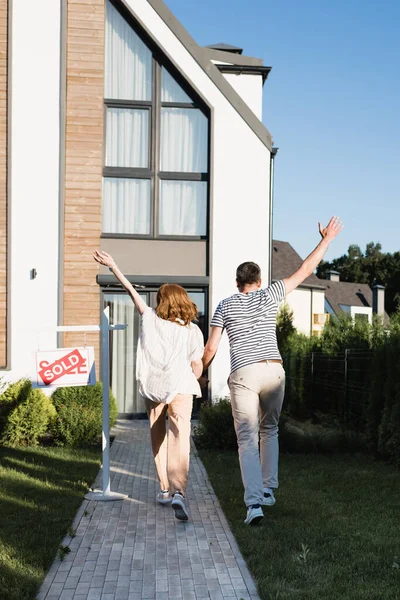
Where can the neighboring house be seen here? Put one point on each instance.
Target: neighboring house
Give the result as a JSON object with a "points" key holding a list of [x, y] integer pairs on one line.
{"points": [[308, 300], [118, 131], [355, 299]]}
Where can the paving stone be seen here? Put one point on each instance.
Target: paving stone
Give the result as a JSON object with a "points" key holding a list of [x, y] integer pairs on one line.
{"points": [[136, 550]]}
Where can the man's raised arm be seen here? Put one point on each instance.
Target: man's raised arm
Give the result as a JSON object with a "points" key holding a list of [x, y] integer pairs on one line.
{"points": [[309, 265]]}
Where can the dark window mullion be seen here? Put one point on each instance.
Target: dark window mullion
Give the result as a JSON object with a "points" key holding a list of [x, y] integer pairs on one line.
{"points": [[182, 176], [127, 103], [128, 172], [157, 143], [180, 105]]}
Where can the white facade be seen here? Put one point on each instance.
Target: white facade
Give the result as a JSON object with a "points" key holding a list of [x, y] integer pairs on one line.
{"points": [[357, 310], [34, 179], [305, 303], [249, 87], [239, 177], [239, 184]]}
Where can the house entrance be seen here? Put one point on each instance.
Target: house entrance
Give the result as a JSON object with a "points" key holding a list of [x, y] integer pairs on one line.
{"points": [[123, 347]]}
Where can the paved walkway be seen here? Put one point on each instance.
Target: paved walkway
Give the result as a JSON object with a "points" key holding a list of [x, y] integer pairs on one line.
{"points": [[134, 549]]}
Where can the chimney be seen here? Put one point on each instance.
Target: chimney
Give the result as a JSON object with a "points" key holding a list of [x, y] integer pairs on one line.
{"points": [[378, 300], [333, 275]]}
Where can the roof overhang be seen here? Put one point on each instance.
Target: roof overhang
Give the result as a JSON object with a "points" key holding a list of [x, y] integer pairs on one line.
{"points": [[246, 69]]}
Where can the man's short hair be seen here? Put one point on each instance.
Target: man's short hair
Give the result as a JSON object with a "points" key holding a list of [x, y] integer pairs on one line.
{"points": [[247, 273]]}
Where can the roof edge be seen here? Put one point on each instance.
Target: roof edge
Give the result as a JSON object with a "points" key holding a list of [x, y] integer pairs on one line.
{"points": [[200, 56], [234, 59], [246, 69]]}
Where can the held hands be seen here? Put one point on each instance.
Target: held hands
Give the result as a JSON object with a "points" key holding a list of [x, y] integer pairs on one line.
{"points": [[104, 259], [333, 228], [203, 381]]}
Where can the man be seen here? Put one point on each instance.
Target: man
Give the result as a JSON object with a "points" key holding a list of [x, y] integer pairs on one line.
{"points": [[257, 378]]}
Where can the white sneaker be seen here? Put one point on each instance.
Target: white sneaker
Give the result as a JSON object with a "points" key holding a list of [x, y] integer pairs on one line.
{"points": [[179, 507], [164, 497], [254, 515], [269, 499]]}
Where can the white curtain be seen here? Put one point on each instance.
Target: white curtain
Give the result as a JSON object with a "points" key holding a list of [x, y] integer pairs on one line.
{"points": [[126, 205], [183, 206], [127, 138], [128, 61], [183, 140], [171, 91], [123, 354]]}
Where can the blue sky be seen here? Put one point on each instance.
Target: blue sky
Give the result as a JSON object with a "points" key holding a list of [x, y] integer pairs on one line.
{"points": [[331, 102]]}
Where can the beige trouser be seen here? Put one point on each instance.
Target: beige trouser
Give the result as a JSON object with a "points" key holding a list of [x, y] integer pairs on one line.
{"points": [[171, 453], [257, 395]]}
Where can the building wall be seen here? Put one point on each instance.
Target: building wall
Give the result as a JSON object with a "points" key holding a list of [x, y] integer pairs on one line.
{"points": [[158, 257], [305, 303], [239, 182], [361, 310], [72, 214], [3, 180], [83, 165], [250, 88], [34, 161]]}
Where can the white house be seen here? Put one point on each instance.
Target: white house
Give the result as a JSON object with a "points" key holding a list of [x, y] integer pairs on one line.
{"points": [[316, 300], [307, 301], [118, 131], [355, 299]]}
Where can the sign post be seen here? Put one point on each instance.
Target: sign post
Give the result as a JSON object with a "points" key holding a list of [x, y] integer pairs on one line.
{"points": [[104, 495]]}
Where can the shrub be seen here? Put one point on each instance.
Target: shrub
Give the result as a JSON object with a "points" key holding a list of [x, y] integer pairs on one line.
{"points": [[29, 421], [216, 430], [284, 326], [79, 414], [15, 394]]}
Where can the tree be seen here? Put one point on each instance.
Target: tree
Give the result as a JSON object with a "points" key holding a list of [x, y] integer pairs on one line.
{"points": [[372, 267], [284, 326]]}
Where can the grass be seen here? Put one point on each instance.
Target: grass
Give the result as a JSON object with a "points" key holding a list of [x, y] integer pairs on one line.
{"points": [[40, 491], [334, 533]]}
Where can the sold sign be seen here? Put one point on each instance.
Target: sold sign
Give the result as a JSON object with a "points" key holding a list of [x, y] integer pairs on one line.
{"points": [[65, 367]]}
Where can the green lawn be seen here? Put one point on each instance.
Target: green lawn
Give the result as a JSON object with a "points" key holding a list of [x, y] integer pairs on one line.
{"points": [[334, 533], [40, 491]]}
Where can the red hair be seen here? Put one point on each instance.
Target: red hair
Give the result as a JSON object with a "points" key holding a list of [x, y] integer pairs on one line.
{"points": [[174, 303]]}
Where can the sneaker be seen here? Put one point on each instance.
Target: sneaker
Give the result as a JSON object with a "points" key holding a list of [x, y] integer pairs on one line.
{"points": [[179, 507], [163, 497], [269, 499], [254, 515]]}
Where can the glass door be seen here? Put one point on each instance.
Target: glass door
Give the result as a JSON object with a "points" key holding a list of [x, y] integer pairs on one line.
{"points": [[123, 346], [123, 349]]}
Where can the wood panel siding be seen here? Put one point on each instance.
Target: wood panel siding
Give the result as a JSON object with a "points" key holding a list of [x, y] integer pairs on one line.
{"points": [[83, 165], [3, 179]]}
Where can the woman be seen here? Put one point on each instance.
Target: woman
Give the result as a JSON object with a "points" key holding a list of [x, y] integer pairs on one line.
{"points": [[169, 363]]}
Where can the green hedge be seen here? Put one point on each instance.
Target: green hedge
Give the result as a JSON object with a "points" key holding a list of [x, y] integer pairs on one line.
{"points": [[79, 414], [216, 429], [25, 414], [350, 376]]}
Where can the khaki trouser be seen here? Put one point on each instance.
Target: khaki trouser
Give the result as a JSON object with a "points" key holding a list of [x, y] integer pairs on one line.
{"points": [[257, 395], [171, 452]]}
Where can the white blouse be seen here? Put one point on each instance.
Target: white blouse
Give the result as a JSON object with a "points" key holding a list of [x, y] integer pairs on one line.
{"points": [[165, 351]]}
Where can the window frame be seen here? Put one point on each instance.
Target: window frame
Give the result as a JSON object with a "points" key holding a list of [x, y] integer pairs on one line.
{"points": [[153, 173]]}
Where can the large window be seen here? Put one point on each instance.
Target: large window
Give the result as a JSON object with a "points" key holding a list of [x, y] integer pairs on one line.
{"points": [[156, 142]]}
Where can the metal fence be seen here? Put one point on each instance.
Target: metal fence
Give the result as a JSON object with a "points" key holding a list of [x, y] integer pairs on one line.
{"points": [[337, 385]]}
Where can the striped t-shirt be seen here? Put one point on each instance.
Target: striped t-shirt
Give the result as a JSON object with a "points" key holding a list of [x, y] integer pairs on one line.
{"points": [[250, 322]]}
